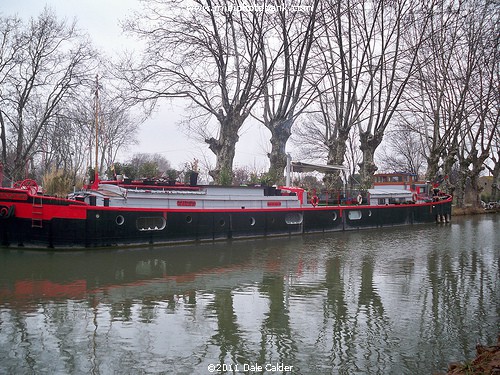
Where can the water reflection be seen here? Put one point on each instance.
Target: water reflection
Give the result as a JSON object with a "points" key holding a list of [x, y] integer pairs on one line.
{"points": [[402, 300]]}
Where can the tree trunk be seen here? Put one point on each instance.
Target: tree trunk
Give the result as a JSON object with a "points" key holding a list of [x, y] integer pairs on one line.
{"points": [[477, 190], [369, 144], [495, 186], [477, 168], [432, 165], [224, 148], [281, 130], [461, 186], [449, 162], [3, 140], [337, 148]]}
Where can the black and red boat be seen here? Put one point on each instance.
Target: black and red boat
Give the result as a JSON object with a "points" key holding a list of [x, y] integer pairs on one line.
{"points": [[115, 213]]}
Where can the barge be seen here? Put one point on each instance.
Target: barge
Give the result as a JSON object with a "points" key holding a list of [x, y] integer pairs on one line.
{"points": [[114, 213]]}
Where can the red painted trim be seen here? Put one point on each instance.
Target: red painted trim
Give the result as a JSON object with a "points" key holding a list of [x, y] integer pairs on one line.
{"points": [[79, 210], [185, 203], [13, 195], [49, 212], [274, 204]]}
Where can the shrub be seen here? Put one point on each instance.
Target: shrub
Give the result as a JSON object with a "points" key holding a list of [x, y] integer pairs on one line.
{"points": [[57, 183]]}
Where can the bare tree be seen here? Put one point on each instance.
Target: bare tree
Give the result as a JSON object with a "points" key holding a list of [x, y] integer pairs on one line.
{"points": [[9, 31], [337, 102], [67, 143], [117, 128], [144, 165], [458, 97], [479, 71], [288, 93], [494, 167], [402, 151], [314, 139], [51, 61], [390, 35], [368, 51], [310, 137], [207, 53], [438, 96]]}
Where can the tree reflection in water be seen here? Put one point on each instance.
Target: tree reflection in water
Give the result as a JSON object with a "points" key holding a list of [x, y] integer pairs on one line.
{"points": [[394, 300]]}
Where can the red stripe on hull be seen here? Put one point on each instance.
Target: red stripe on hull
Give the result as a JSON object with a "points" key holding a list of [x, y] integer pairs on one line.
{"points": [[49, 211]]}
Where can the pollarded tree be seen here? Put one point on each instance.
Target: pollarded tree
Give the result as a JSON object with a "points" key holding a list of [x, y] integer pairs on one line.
{"points": [[389, 37], [292, 82], [494, 167], [368, 51], [438, 106], [458, 97], [479, 71], [209, 53], [337, 103]]}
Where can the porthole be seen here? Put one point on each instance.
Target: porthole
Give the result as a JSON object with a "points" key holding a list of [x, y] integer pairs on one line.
{"points": [[222, 222], [334, 216], [151, 223], [293, 218], [120, 220], [354, 215], [97, 216], [189, 219], [252, 221]]}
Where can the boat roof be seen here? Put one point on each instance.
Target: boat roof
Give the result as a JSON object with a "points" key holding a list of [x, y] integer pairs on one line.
{"points": [[382, 191]]}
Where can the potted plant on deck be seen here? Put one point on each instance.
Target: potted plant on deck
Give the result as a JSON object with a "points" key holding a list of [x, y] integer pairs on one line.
{"points": [[193, 173], [172, 176]]}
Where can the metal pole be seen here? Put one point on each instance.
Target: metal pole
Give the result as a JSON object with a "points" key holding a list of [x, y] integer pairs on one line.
{"points": [[96, 173], [288, 169]]}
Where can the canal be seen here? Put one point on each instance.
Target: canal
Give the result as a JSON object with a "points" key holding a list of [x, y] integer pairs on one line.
{"points": [[387, 301]]}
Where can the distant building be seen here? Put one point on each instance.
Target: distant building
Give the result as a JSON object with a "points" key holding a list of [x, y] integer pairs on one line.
{"points": [[401, 180]]}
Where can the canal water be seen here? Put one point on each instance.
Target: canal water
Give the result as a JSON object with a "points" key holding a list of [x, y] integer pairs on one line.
{"points": [[387, 301]]}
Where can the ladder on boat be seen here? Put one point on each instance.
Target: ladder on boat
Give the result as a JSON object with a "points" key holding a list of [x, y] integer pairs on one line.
{"points": [[37, 212]]}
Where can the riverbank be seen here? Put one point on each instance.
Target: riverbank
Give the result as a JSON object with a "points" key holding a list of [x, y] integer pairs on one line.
{"points": [[487, 362], [456, 211]]}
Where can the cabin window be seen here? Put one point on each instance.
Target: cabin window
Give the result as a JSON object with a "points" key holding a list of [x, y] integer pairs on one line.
{"points": [[354, 215], [381, 201], [151, 223], [120, 220], [392, 200], [293, 218]]}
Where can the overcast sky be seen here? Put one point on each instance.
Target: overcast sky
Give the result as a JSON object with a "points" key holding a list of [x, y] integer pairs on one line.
{"points": [[160, 134]]}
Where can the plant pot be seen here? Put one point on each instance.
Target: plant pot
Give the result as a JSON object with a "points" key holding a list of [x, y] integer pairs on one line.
{"points": [[193, 179]]}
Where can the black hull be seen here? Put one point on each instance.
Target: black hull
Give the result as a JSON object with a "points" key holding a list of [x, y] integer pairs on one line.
{"points": [[105, 226]]}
